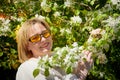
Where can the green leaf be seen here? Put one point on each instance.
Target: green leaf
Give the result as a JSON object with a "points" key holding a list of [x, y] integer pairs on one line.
{"points": [[48, 20], [13, 50], [1, 53], [106, 47], [46, 73], [68, 69], [97, 6], [36, 72], [92, 2], [97, 61]]}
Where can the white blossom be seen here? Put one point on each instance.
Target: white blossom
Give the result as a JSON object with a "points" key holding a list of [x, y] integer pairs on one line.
{"points": [[56, 5], [17, 19], [75, 44], [39, 16], [56, 14], [56, 78], [107, 8], [76, 19], [90, 40], [74, 50], [13, 18], [102, 58], [113, 23], [45, 58], [67, 3], [4, 27], [20, 19], [67, 31], [66, 59], [101, 74], [114, 2], [6, 22], [96, 31], [43, 3], [45, 6], [80, 48], [62, 30]]}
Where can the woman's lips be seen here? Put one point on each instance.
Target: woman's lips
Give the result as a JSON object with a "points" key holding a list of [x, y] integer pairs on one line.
{"points": [[45, 45]]}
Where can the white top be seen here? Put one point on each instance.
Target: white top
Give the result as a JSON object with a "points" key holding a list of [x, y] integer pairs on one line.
{"points": [[25, 72]]}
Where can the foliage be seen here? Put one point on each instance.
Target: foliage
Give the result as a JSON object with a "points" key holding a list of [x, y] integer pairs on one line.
{"points": [[92, 24]]}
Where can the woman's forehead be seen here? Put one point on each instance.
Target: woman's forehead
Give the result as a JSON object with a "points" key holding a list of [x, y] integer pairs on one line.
{"points": [[36, 29]]}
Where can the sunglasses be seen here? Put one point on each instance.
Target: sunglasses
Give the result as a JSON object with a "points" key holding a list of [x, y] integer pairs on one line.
{"points": [[38, 37]]}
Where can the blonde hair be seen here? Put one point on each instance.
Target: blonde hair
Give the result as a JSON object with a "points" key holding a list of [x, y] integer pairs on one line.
{"points": [[22, 38]]}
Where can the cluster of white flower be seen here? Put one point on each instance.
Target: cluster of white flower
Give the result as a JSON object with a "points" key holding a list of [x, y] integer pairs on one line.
{"points": [[102, 74], [39, 16], [96, 33], [43, 3], [114, 2], [117, 3], [107, 8], [65, 31], [76, 19], [97, 36], [113, 23], [56, 5], [66, 57], [56, 14], [4, 26], [20, 19], [45, 6], [102, 58], [67, 3]]}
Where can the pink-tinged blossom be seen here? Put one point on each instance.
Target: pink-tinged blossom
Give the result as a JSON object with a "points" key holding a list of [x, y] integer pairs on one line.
{"points": [[102, 58]]}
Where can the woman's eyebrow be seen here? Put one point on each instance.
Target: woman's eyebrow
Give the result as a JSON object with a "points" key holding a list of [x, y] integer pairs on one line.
{"points": [[39, 33]]}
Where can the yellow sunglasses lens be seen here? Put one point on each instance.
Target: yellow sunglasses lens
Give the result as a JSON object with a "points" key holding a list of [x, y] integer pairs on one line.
{"points": [[46, 34], [35, 38], [38, 37]]}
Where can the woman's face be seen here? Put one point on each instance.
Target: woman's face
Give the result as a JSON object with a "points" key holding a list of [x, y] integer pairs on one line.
{"points": [[41, 47]]}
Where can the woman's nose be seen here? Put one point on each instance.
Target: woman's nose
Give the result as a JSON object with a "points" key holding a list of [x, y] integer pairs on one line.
{"points": [[43, 38]]}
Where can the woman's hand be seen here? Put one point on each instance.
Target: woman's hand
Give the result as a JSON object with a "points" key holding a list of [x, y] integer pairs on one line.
{"points": [[84, 66]]}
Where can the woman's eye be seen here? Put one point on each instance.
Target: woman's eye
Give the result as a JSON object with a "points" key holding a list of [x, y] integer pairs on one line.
{"points": [[47, 34], [35, 38]]}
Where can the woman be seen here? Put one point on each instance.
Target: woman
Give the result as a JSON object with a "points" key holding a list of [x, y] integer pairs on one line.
{"points": [[34, 41]]}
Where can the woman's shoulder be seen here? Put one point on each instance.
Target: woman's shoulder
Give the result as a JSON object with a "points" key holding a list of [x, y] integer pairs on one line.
{"points": [[29, 64], [25, 70]]}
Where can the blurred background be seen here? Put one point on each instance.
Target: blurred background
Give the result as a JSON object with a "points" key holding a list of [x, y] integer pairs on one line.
{"points": [[70, 21]]}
